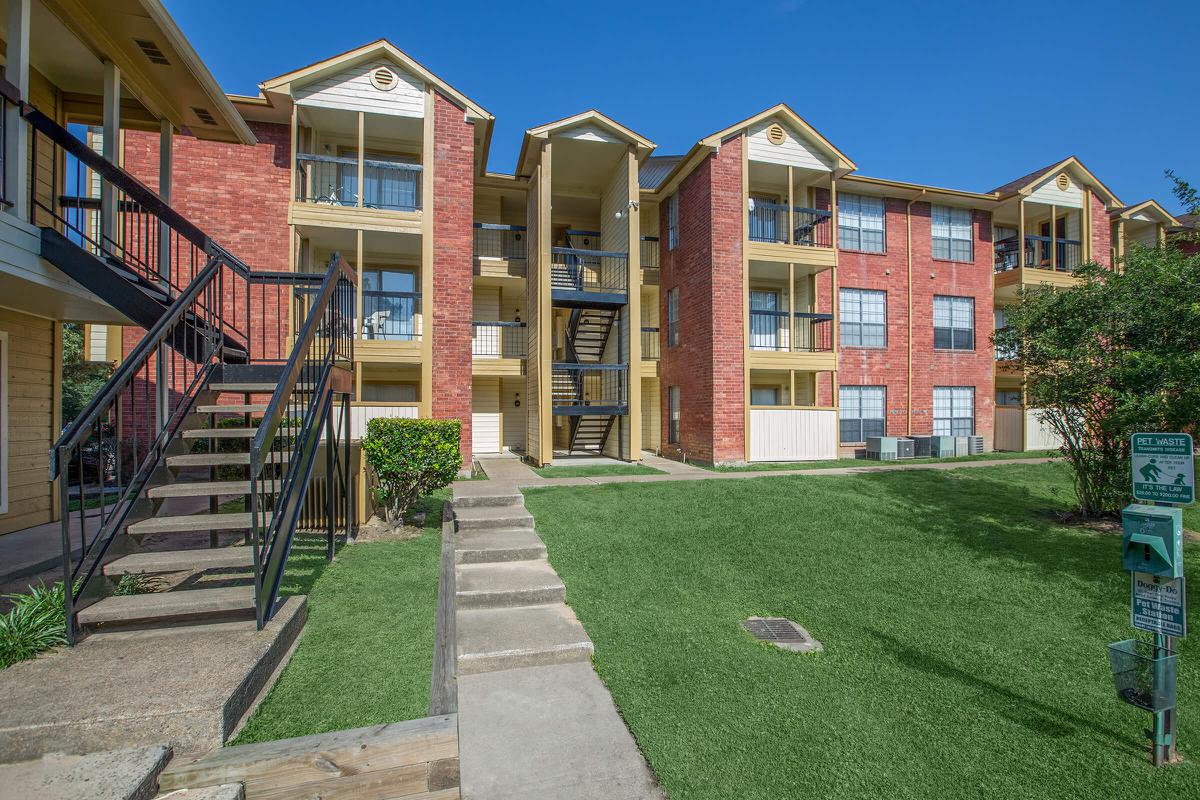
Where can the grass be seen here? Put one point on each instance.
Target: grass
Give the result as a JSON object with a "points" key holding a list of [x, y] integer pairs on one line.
{"points": [[964, 634], [592, 470], [366, 654], [769, 466]]}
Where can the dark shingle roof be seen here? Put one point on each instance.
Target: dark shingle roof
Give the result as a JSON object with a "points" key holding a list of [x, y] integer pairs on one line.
{"points": [[1013, 186]]}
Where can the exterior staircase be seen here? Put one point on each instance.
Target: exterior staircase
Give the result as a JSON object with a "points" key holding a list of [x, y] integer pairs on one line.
{"points": [[590, 433], [588, 331]]}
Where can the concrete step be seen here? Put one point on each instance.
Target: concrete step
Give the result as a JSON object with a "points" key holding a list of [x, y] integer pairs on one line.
{"points": [[126, 774], [226, 791], [198, 489], [506, 584], [482, 547], [181, 560], [482, 500], [221, 459], [243, 387], [491, 639], [169, 608], [233, 408], [492, 518], [220, 433], [194, 522]]}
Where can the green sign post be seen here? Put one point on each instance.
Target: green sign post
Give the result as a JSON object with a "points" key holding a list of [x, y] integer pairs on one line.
{"points": [[1152, 551]]}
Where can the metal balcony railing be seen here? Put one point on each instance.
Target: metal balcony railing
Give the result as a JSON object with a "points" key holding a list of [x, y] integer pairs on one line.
{"points": [[497, 339], [500, 241], [1041, 252], [599, 388], [576, 270], [649, 252], [391, 316], [650, 345], [771, 330], [333, 180], [772, 222]]}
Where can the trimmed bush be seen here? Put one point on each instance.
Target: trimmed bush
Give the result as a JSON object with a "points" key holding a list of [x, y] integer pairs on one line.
{"points": [[410, 458]]}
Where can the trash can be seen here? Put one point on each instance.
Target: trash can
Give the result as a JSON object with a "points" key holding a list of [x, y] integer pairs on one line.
{"points": [[1144, 674]]}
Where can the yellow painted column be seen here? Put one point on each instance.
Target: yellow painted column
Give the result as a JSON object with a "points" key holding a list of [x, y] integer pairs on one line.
{"points": [[428, 204], [633, 315]]}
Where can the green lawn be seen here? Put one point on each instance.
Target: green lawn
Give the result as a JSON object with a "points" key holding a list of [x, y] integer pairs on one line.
{"points": [[590, 471], [767, 466], [964, 634], [366, 654]]}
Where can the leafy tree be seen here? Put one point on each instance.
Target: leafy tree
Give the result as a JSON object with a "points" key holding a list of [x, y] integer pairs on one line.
{"points": [[1117, 354], [81, 380], [409, 459]]}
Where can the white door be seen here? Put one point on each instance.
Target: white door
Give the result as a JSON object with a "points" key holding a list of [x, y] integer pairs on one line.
{"points": [[485, 433]]}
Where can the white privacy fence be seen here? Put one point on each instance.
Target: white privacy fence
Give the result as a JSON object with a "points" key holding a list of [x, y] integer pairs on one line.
{"points": [[793, 434]]}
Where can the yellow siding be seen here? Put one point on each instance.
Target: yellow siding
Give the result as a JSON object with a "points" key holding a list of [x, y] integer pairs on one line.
{"points": [[31, 416], [651, 419], [512, 416], [533, 357]]}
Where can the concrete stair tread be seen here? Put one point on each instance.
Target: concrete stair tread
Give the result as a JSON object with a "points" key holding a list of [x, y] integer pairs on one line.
{"points": [[487, 500], [221, 459], [506, 638], [180, 560], [482, 517], [194, 522], [507, 583], [166, 607], [234, 408], [199, 489], [254, 387], [220, 433], [521, 544]]}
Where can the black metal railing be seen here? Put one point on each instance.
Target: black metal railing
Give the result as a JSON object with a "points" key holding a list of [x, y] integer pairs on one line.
{"points": [[649, 252], [333, 180], [1041, 252], [772, 330], [498, 339], [772, 222], [9, 97], [299, 414], [500, 241], [603, 388], [577, 270], [391, 316], [650, 344]]}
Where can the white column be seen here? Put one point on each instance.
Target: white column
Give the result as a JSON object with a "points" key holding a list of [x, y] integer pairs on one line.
{"points": [[16, 144], [112, 138]]}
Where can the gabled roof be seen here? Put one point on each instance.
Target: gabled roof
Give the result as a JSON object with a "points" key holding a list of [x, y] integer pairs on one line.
{"points": [[1148, 207], [380, 47], [589, 117], [785, 112], [1026, 183]]}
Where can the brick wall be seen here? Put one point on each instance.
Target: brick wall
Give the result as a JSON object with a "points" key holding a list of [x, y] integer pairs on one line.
{"points": [[888, 367], [453, 202], [708, 363], [1101, 233]]}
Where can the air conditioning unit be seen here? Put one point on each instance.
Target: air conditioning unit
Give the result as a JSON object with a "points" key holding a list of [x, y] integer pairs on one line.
{"points": [[961, 447], [975, 445], [881, 448], [941, 446], [921, 446], [905, 448]]}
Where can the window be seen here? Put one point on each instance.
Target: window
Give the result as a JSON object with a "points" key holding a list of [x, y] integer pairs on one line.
{"points": [[860, 223], [953, 234], [391, 305], [953, 410], [767, 322], [863, 317], [673, 415], [1008, 397], [861, 411], [376, 392], [764, 396], [673, 221], [953, 323], [673, 317]]}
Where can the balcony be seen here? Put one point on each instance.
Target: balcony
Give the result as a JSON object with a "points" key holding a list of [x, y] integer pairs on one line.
{"points": [[495, 340], [776, 223], [500, 241], [1041, 252], [649, 252], [391, 316], [591, 389], [650, 345], [589, 277], [333, 181], [773, 331]]}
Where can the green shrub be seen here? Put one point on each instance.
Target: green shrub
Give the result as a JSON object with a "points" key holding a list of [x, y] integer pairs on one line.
{"points": [[138, 583], [410, 458], [36, 622]]}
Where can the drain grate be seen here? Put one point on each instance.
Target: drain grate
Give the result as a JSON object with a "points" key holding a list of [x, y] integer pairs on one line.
{"points": [[782, 633]]}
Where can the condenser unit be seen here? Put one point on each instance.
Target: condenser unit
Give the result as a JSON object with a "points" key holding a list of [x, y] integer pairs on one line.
{"points": [[881, 448], [960, 446], [905, 448], [975, 445], [921, 446], [941, 446]]}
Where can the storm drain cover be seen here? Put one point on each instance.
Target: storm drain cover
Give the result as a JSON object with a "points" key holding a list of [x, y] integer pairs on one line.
{"points": [[782, 633]]}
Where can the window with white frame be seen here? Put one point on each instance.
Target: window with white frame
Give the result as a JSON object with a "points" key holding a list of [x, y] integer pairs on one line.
{"points": [[861, 411], [953, 234], [673, 415], [953, 323], [953, 410], [860, 223], [863, 317], [673, 317], [673, 221]]}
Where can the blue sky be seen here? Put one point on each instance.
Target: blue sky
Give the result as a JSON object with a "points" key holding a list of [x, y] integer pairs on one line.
{"points": [[963, 95]]}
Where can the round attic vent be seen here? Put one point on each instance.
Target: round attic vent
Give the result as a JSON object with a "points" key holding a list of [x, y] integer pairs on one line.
{"points": [[775, 134], [383, 79], [1062, 182]]}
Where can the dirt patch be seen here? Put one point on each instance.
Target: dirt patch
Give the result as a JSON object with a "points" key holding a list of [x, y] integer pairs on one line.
{"points": [[1106, 526], [377, 530]]}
